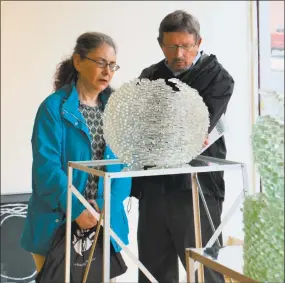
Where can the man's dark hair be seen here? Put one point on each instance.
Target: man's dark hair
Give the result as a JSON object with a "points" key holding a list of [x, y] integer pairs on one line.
{"points": [[179, 21]]}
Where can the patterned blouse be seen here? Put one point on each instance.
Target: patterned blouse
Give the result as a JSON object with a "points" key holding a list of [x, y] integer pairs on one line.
{"points": [[94, 121]]}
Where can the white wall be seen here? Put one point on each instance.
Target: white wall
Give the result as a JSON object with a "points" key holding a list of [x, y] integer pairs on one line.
{"points": [[37, 35]]}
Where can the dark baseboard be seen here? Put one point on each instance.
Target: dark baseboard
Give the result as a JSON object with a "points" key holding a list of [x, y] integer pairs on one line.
{"points": [[13, 198]]}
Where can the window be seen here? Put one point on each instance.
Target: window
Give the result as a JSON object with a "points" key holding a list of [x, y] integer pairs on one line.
{"points": [[271, 50]]}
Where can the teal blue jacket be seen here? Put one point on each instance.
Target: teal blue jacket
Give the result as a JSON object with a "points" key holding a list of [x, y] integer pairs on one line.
{"points": [[60, 134]]}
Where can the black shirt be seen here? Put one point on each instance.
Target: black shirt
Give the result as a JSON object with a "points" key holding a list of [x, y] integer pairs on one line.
{"points": [[215, 85]]}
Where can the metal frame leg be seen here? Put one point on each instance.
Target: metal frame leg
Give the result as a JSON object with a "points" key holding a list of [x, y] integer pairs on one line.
{"points": [[68, 226], [190, 270], [106, 235], [197, 223]]}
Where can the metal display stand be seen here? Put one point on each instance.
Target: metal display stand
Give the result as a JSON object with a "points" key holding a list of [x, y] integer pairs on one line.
{"points": [[211, 165]]}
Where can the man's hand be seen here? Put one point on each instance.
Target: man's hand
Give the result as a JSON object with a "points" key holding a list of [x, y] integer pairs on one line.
{"points": [[206, 142], [86, 220]]}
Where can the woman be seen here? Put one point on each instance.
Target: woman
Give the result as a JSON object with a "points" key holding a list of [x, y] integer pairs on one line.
{"points": [[68, 127]]}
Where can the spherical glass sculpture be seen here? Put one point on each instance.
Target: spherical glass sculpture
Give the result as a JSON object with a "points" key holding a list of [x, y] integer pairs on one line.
{"points": [[148, 123], [264, 212]]}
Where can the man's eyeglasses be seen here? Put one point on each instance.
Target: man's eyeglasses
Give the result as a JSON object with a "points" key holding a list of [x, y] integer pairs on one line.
{"points": [[103, 64], [174, 47]]}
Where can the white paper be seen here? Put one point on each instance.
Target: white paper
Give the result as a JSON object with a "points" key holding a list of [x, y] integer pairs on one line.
{"points": [[216, 133]]}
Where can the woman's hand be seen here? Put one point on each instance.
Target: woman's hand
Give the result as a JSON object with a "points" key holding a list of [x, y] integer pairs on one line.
{"points": [[86, 220]]}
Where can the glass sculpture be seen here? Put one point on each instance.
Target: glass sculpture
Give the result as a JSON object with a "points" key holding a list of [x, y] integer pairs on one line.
{"points": [[155, 123], [264, 212]]}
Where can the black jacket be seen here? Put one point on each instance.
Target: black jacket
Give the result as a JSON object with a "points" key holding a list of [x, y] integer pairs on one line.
{"points": [[215, 85]]}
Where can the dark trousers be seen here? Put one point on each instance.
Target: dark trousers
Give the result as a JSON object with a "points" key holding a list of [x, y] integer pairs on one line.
{"points": [[166, 228]]}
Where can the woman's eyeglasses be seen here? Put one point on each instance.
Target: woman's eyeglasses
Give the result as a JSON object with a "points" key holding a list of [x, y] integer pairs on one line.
{"points": [[103, 64]]}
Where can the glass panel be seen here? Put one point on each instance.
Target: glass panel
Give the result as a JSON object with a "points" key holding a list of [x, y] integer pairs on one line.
{"points": [[229, 256]]}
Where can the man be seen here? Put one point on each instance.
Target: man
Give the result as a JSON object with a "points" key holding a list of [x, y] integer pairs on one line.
{"points": [[165, 226]]}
